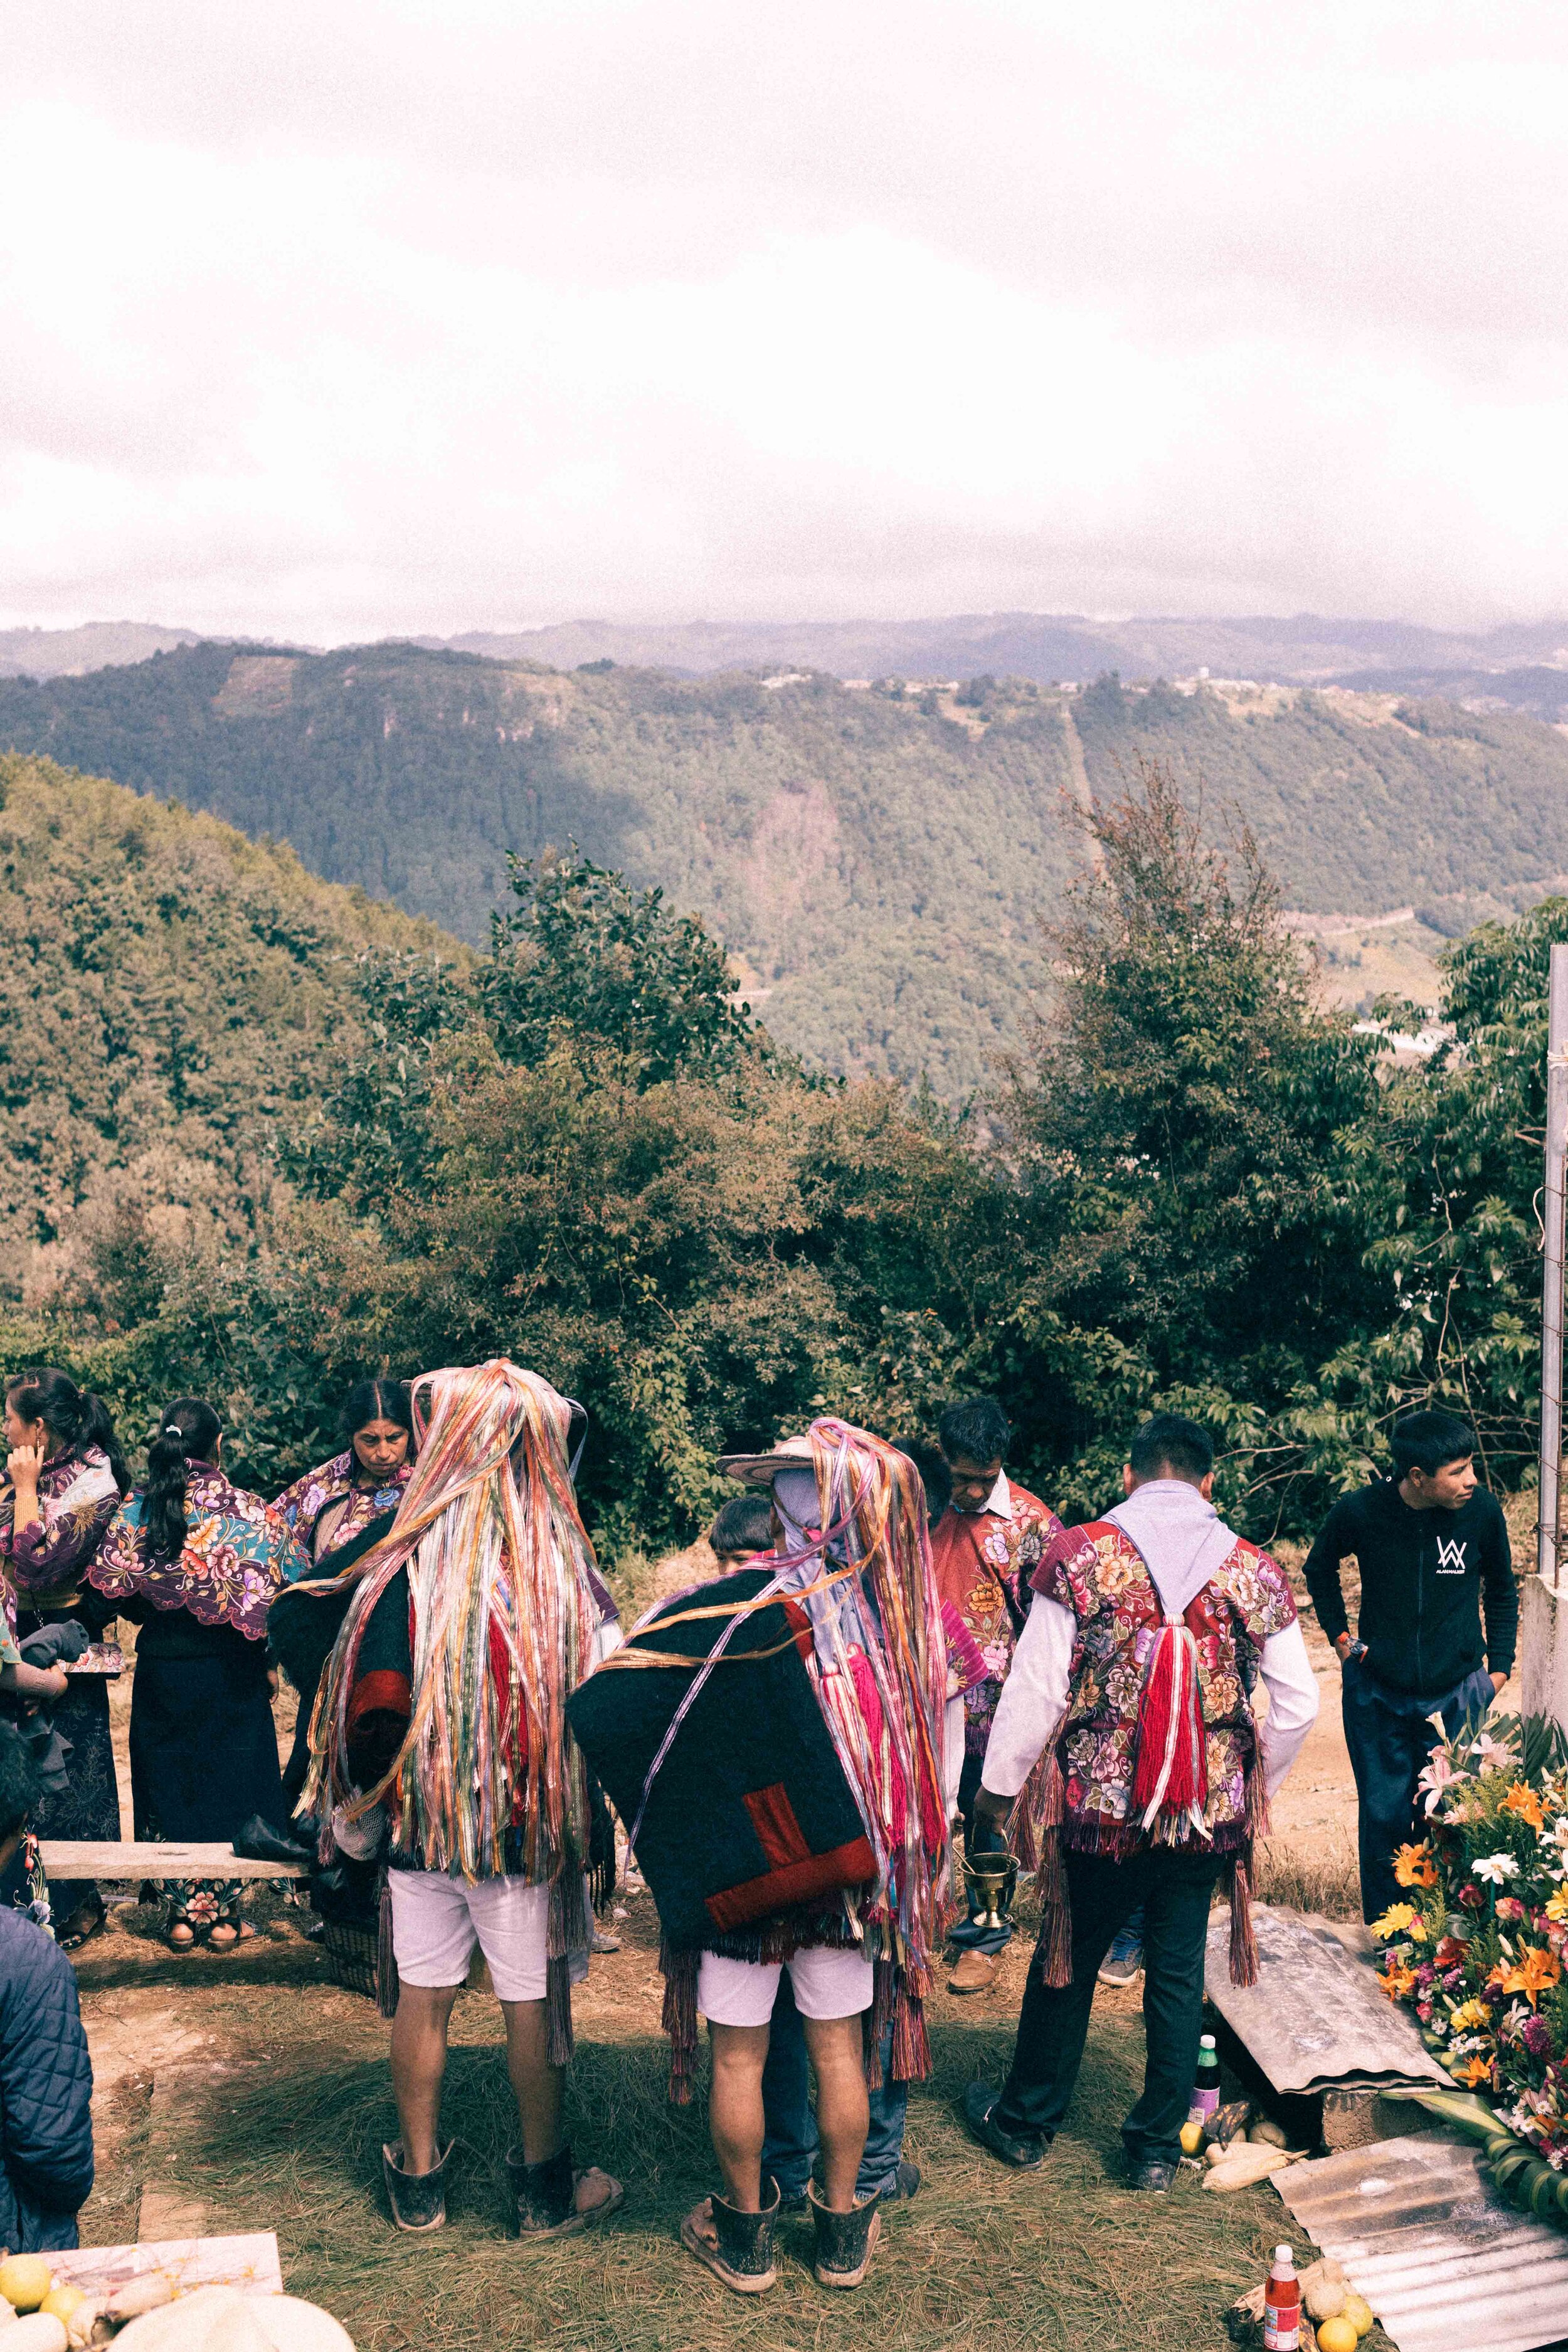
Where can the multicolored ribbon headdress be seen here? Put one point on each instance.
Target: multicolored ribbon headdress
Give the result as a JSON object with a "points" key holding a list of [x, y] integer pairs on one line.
{"points": [[503, 1616]]}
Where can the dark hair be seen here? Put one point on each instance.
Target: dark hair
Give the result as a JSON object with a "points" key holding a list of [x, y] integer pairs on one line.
{"points": [[1424, 1441], [935, 1477], [1169, 1441], [18, 1781], [378, 1400], [745, 1523], [187, 1431], [974, 1427], [76, 1418]]}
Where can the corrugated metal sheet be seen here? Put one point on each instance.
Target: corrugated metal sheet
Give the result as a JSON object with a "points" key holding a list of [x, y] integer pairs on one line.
{"points": [[1315, 2019], [1447, 2265]]}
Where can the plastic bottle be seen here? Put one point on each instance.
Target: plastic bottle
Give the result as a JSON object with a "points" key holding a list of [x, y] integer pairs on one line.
{"points": [[1282, 2305], [1205, 2086]]}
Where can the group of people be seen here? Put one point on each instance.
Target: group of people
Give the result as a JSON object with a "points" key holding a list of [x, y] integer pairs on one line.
{"points": [[194, 1561], [901, 1645]]}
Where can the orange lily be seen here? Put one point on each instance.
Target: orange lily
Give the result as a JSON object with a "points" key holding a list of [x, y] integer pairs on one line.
{"points": [[1532, 1976], [1414, 1866], [1524, 1801], [1399, 1983], [1477, 2071]]}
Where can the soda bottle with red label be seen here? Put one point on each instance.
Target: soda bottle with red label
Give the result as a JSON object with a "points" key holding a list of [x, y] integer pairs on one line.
{"points": [[1282, 2305]]}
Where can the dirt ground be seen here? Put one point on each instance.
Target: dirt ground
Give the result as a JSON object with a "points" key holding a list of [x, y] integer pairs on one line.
{"points": [[246, 2091]]}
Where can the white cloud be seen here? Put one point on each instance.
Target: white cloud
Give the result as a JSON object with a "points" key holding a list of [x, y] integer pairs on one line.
{"points": [[352, 319]]}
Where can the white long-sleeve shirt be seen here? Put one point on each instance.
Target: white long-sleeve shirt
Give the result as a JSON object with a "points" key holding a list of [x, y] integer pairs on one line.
{"points": [[1034, 1699]]}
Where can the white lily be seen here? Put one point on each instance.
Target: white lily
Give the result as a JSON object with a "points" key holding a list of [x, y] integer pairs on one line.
{"points": [[1495, 1868]]}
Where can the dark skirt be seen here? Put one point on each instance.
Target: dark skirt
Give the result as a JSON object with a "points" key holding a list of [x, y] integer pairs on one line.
{"points": [[203, 1753], [90, 1806]]}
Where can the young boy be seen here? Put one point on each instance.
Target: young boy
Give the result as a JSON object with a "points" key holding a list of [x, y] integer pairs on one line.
{"points": [[744, 1528], [46, 2077], [1434, 1556]]}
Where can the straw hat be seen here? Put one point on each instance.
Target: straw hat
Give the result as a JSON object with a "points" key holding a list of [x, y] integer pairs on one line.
{"points": [[761, 1469]]}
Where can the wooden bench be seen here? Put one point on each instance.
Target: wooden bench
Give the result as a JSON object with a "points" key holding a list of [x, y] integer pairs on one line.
{"points": [[68, 1858]]}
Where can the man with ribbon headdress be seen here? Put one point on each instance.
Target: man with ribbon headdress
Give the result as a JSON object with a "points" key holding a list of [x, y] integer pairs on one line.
{"points": [[1131, 1690], [441, 1737], [777, 1740]]}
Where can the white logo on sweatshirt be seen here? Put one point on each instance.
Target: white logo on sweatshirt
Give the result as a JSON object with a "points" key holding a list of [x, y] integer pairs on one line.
{"points": [[1450, 1555]]}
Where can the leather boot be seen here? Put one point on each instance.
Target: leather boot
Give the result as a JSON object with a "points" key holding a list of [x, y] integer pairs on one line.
{"points": [[744, 2256], [844, 2240], [418, 2199]]}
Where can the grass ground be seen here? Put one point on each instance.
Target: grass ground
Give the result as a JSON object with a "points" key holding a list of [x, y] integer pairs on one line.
{"points": [[250, 2092], [274, 2119]]}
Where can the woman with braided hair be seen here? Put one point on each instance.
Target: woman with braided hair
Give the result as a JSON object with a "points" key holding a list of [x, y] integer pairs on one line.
{"points": [[64, 1476], [440, 1739], [194, 1561]]}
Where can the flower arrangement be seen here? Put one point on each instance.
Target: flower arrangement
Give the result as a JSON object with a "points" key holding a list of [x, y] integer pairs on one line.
{"points": [[1477, 1950]]}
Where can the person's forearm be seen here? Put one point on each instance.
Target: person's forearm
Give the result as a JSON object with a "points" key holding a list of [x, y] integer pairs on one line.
{"points": [[1034, 1698], [1499, 1610], [1322, 1581], [25, 1506]]}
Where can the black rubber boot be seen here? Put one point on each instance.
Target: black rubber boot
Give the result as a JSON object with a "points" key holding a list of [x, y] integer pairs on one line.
{"points": [[543, 2193], [844, 2240], [418, 2199], [743, 2257]]}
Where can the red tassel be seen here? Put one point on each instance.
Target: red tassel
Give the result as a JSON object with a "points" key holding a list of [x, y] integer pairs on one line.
{"points": [[386, 1986], [1041, 1803], [1056, 1915], [1171, 1777], [680, 2021], [1243, 1936], [558, 2044], [911, 2044]]}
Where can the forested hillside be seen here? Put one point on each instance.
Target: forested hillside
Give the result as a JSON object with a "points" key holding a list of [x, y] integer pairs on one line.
{"points": [[877, 861], [255, 1148], [169, 992]]}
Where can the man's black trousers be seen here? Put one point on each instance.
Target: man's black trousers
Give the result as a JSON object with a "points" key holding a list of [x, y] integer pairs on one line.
{"points": [[1390, 1737], [1176, 1891]]}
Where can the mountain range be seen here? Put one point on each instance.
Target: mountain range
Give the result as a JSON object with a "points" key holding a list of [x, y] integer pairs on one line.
{"points": [[1521, 666], [883, 862]]}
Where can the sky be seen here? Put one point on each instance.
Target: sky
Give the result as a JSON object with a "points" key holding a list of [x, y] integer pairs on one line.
{"points": [[327, 321]]}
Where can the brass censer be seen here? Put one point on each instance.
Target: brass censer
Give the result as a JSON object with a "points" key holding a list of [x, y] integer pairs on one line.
{"points": [[992, 1881]]}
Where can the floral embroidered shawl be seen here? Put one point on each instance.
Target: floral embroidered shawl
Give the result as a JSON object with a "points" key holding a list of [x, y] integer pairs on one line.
{"points": [[305, 1504], [1098, 1574], [76, 1499], [983, 1563], [238, 1552]]}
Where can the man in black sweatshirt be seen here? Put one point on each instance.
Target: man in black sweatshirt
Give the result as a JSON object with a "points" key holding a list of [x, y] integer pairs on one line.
{"points": [[1434, 1554]]}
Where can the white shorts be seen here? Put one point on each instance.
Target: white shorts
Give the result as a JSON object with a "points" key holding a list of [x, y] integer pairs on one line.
{"points": [[825, 1982], [436, 1919]]}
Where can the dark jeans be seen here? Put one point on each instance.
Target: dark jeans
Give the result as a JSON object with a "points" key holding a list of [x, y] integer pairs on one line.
{"points": [[789, 2148], [1176, 1891], [966, 1936], [1390, 1738]]}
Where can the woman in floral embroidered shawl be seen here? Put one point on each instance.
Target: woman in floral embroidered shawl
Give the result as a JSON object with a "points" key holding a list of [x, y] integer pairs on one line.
{"points": [[64, 1476], [342, 1502], [194, 1561]]}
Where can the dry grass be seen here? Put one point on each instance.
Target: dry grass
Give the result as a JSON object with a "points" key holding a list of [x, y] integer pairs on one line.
{"points": [[1319, 1876], [983, 2259]]}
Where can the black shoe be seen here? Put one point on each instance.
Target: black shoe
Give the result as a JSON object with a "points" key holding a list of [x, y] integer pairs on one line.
{"points": [[418, 2199], [1154, 2176], [844, 2240], [1024, 2154], [900, 2186], [259, 1842]]}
